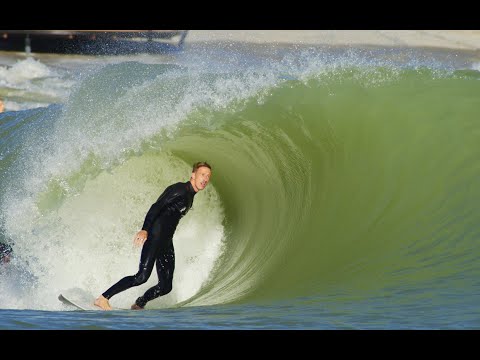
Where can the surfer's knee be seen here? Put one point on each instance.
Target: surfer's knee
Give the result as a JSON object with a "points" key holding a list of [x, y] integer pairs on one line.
{"points": [[140, 279], [166, 289]]}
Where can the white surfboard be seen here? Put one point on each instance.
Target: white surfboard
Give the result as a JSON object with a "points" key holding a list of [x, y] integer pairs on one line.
{"points": [[81, 299]]}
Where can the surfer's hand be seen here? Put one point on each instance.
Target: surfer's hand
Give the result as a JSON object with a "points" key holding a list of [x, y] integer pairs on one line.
{"points": [[140, 238]]}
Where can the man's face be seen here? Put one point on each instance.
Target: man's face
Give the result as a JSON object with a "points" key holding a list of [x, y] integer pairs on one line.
{"points": [[201, 177]]}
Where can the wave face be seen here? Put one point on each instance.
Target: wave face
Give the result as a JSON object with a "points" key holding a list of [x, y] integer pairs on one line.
{"points": [[334, 178]]}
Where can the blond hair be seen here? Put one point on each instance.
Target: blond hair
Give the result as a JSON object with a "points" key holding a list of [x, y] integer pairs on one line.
{"points": [[200, 164]]}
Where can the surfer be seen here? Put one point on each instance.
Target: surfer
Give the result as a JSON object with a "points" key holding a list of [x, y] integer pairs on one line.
{"points": [[156, 237]]}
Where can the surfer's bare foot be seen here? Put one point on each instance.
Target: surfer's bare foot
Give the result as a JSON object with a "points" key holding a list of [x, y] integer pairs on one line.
{"points": [[102, 303], [136, 307]]}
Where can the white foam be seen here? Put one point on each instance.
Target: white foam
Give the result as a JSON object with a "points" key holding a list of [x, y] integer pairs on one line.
{"points": [[29, 84], [17, 106], [23, 71]]}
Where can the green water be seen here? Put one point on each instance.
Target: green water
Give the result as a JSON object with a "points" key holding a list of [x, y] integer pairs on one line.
{"points": [[349, 187]]}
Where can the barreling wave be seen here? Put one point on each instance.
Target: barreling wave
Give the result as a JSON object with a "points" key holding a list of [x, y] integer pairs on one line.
{"points": [[329, 178]]}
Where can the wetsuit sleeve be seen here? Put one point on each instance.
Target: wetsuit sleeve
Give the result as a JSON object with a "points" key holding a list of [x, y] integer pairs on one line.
{"points": [[167, 197]]}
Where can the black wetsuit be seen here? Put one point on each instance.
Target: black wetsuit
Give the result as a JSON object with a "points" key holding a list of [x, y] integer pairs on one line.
{"points": [[160, 223]]}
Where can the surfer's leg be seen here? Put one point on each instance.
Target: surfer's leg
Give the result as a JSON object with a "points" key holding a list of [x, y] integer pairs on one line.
{"points": [[147, 260], [165, 268]]}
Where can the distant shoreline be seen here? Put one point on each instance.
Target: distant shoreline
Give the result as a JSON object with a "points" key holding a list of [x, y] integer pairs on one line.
{"points": [[449, 39]]}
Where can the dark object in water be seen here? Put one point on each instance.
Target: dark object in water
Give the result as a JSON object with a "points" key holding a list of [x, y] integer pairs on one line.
{"points": [[5, 251]]}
